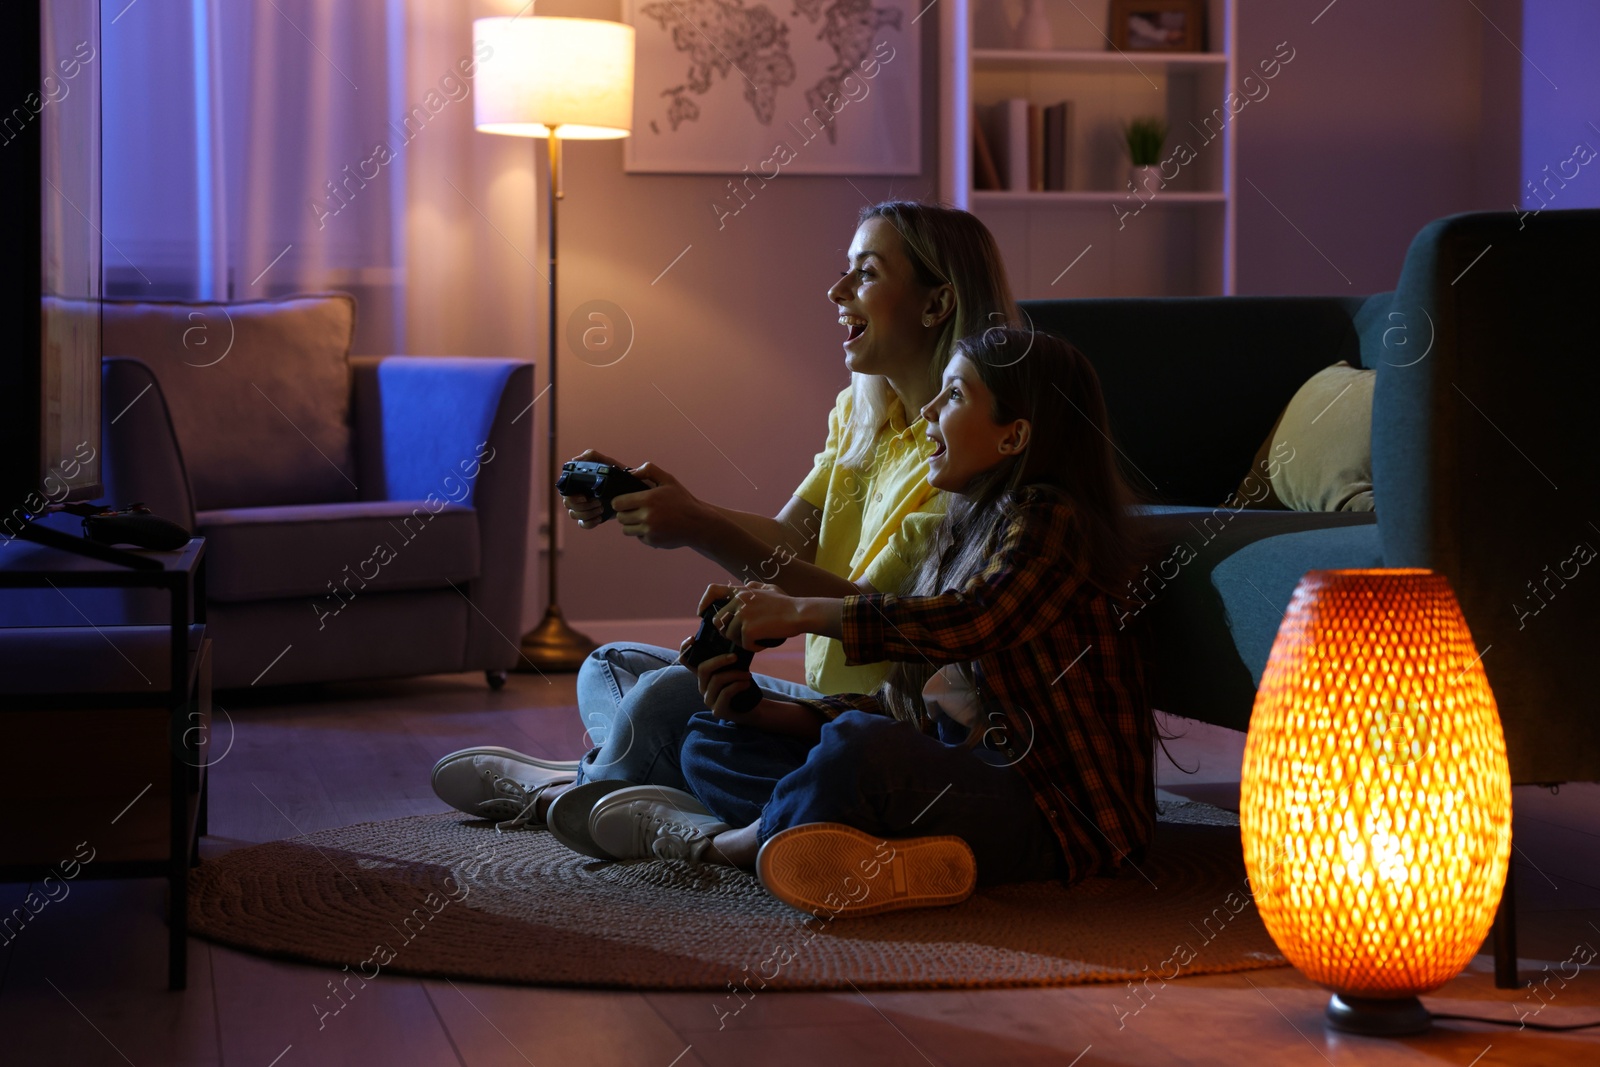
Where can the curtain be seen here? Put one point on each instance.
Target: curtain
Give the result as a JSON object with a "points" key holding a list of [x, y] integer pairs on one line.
{"points": [[264, 147]]}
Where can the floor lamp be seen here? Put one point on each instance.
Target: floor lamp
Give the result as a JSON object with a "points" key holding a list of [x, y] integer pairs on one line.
{"points": [[561, 79]]}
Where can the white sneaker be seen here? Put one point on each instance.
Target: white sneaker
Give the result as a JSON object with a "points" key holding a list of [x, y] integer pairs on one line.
{"points": [[497, 783], [569, 765], [653, 822]]}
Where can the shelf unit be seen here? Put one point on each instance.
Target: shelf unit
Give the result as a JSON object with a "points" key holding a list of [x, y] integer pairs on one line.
{"points": [[1101, 237]]}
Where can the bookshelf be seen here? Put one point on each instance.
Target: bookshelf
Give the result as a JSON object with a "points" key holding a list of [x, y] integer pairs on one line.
{"points": [[1099, 237]]}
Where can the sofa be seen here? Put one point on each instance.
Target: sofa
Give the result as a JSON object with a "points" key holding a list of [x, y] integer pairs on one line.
{"points": [[1482, 465], [365, 517]]}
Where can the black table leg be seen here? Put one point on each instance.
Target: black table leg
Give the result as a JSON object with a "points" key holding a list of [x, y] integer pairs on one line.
{"points": [[178, 795], [1505, 935]]}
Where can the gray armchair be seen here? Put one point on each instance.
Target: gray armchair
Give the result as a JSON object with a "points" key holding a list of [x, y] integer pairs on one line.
{"points": [[365, 517]]}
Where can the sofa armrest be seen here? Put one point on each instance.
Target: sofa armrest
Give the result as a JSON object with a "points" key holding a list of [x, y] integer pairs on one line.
{"points": [[462, 429], [1483, 468], [142, 459]]}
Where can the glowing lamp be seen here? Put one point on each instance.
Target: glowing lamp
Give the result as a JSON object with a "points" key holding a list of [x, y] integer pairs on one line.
{"points": [[555, 79], [574, 76], [1375, 796]]}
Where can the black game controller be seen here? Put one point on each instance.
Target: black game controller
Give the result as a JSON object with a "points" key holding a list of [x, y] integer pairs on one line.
{"points": [[708, 643], [134, 525], [598, 481]]}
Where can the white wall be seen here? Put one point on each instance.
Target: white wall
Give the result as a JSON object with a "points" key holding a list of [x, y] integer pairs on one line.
{"points": [[1377, 127]]}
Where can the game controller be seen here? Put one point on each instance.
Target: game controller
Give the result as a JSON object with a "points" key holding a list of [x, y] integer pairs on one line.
{"points": [[709, 643], [598, 481], [134, 525]]}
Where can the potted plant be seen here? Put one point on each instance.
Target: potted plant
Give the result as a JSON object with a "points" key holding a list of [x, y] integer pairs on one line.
{"points": [[1145, 138]]}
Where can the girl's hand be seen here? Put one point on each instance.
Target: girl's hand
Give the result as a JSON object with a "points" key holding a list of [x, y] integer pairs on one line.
{"points": [[715, 592], [718, 687], [666, 516], [759, 616]]}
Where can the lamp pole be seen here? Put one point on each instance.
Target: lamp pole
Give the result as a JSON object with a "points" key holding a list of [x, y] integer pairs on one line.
{"points": [[553, 645]]}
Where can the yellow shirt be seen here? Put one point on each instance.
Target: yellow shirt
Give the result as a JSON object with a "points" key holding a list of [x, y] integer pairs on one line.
{"points": [[876, 526]]}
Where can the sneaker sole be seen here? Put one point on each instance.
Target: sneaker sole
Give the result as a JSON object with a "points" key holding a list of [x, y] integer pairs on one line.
{"points": [[568, 817], [833, 870], [505, 753]]}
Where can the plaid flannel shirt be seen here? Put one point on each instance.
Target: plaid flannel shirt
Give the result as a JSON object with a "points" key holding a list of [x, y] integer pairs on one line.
{"points": [[1061, 685]]}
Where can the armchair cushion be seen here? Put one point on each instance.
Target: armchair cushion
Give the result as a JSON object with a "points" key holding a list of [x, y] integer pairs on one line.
{"points": [[259, 393], [333, 552]]}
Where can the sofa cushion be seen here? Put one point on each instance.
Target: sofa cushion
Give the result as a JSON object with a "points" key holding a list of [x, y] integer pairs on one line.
{"points": [[1318, 456], [259, 393], [335, 552]]}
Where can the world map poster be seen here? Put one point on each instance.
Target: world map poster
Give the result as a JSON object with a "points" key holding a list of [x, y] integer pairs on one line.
{"points": [[775, 87]]}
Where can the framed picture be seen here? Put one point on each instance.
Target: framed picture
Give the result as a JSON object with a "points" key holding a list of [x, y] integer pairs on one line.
{"points": [[749, 86], [1158, 25]]}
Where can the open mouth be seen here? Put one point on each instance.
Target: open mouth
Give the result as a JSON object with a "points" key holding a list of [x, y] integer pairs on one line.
{"points": [[854, 326], [938, 448]]}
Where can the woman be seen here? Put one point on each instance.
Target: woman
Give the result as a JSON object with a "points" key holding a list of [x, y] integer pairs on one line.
{"points": [[1032, 757], [918, 277]]}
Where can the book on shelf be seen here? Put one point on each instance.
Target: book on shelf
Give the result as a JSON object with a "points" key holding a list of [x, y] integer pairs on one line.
{"points": [[1007, 128], [1035, 148], [1058, 146], [1019, 146], [985, 175]]}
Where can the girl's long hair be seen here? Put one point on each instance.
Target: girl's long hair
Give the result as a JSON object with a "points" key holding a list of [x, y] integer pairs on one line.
{"points": [[1050, 383], [945, 245]]}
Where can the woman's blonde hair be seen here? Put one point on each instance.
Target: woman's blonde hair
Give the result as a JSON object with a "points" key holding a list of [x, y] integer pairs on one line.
{"points": [[946, 246]]}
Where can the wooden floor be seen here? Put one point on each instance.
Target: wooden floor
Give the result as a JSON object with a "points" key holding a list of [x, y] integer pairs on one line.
{"points": [[83, 984]]}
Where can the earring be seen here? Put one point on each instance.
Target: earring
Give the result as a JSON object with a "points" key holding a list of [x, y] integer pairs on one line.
{"points": [[927, 320]]}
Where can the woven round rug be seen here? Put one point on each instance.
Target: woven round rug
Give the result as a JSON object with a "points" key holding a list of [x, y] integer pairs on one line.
{"points": [[446, 896]]}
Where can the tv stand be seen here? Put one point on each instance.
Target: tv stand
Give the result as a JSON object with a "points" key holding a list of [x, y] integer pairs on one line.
{"points": [[137, 698]]}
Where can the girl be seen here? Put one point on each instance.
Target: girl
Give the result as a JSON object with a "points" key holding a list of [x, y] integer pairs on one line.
{"points": [[918, 277], [1031, 757]]}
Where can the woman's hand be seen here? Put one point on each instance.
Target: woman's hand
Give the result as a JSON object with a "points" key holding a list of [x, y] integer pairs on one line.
{"points": [[759, 616], [666, 516], [588, 511]]}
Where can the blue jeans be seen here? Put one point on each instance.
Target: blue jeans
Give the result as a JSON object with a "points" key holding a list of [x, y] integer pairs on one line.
{"points": [[636, 701], [879, 775]]}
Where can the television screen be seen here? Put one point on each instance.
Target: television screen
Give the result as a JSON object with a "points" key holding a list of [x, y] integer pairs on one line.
{"points": [[50, 182], [69, 261]]}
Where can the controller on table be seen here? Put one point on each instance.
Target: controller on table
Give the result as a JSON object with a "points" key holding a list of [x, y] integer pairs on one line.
{"points": [[133, 525], [598, 481], [709, 643]]}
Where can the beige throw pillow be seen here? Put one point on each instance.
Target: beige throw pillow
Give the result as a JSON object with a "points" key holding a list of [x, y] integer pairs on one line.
{"points": [[1319, 455]]}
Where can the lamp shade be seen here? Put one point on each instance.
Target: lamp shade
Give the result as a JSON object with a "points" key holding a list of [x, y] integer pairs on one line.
{"points": [[546, 72], [1375, 796]]}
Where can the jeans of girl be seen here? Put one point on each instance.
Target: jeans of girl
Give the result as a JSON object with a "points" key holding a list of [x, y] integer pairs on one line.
{"points": [[879, 775]]}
